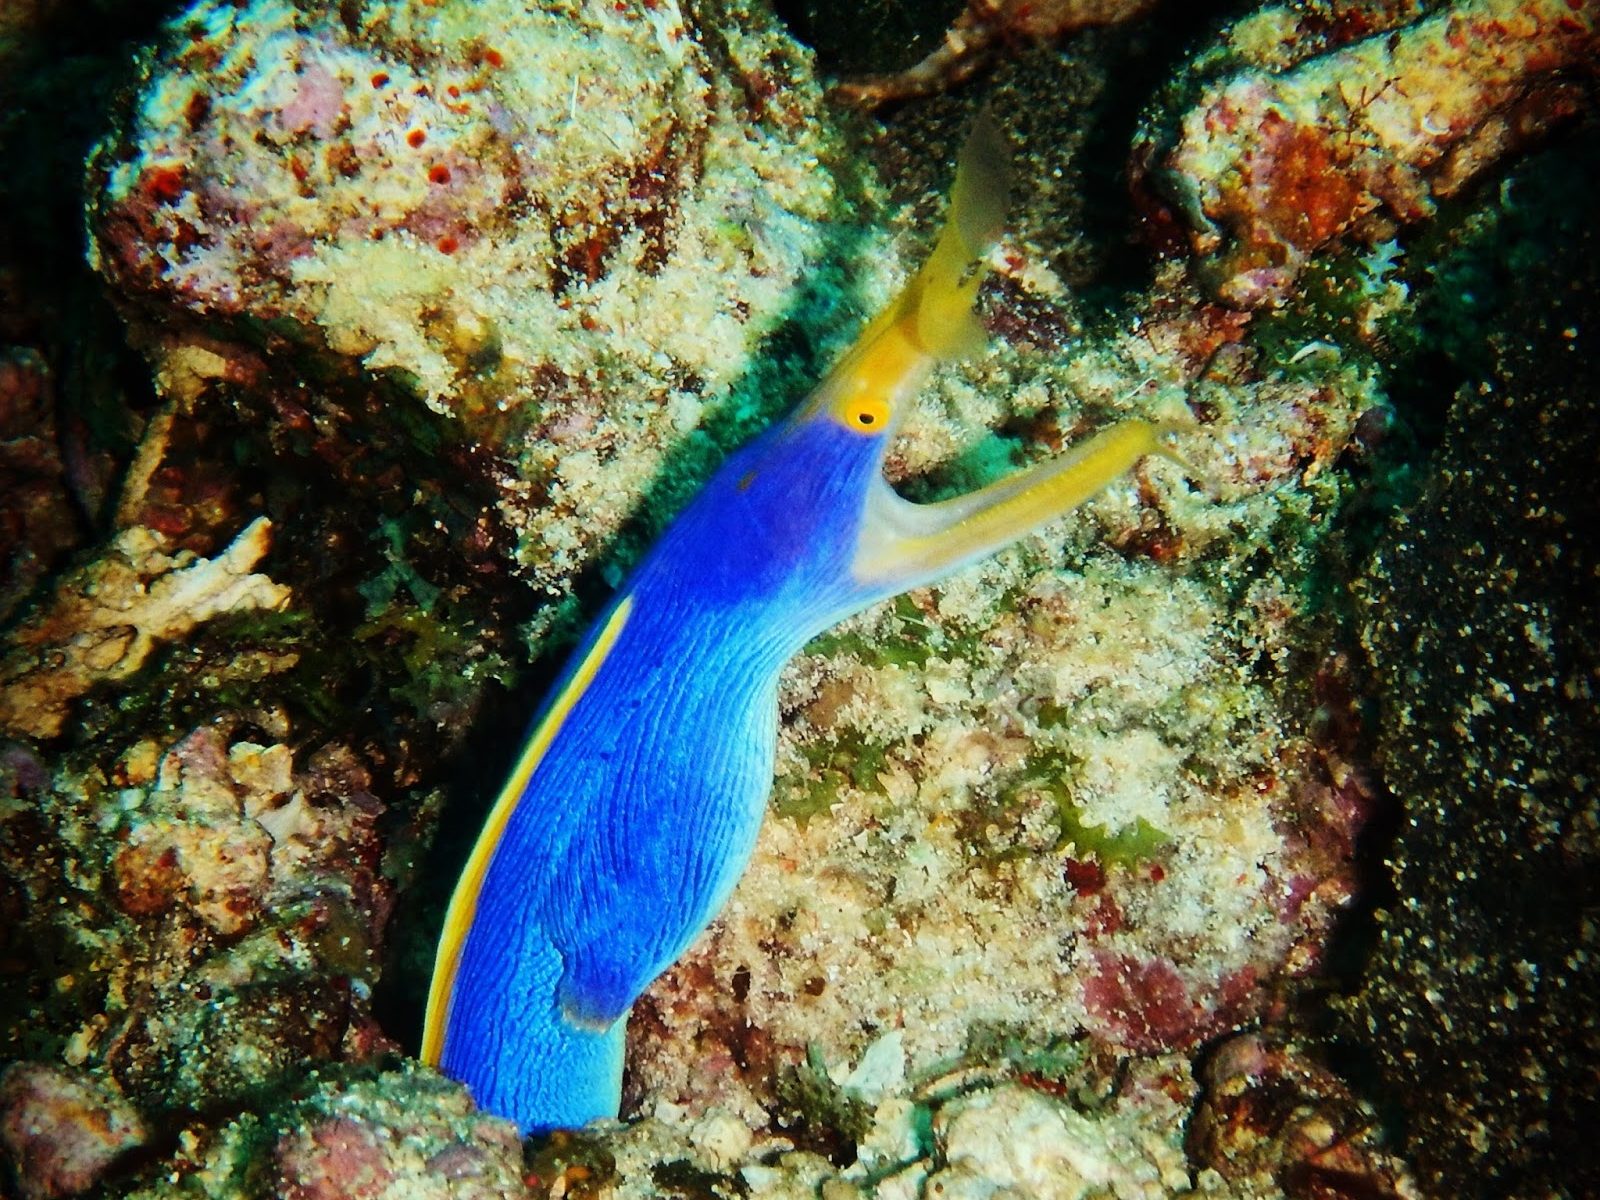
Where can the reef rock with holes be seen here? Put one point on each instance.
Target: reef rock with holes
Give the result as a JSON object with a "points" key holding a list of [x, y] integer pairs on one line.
{"points": [[564, 228], [1351, 122]]}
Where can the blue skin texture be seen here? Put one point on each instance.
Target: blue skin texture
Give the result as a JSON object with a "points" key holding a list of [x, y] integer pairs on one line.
{"points": [[636, 804], [642, 814]]}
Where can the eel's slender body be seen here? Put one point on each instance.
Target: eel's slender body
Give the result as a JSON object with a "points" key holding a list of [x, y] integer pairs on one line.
{"points": [[635, 806]]}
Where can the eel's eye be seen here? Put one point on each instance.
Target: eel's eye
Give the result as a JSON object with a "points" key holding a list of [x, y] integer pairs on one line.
{"points": [[867, 414]]}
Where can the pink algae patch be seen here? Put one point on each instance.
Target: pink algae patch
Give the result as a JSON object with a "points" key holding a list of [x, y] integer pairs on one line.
{"points": [[317, 104], [1142, 1004], [62, 1131], [1296, 891], [339, 1158], [282, 243]]}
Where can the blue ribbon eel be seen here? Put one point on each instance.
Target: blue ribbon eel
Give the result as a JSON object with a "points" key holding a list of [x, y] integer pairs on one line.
{"points": [[635, 805]]}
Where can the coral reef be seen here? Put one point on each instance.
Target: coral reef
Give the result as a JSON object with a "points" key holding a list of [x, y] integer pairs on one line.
{"points": [[461, 300], [226, 910], [960, 1135], [396, 1134], [510, 215], [1322, 140], [1017, 1139], [977, 861], [1273, 1118], [61, 1129]]}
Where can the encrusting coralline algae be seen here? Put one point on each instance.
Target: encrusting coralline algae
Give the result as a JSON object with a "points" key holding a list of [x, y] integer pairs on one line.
{"points": [[562, 228], [1038, 833]]}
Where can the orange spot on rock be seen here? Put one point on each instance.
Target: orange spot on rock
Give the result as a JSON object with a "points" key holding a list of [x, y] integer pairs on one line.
{"points": [[438, 173], [415, 138], [447, 245], [1310, 195], [164, 185], [380, 78], [149, 879]]}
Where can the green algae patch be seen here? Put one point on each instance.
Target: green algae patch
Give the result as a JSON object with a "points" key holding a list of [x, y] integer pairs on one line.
{"points": [[380, 590], [1058, 1061], [911, 645], [443, 651], [1124, 846], [851, 760], [811, 1097], [801, 800], [1350, 307], [683, 1179]]}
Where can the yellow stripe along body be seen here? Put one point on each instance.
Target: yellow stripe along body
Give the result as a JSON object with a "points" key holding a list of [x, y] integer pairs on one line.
{"points": [[464, 900]]}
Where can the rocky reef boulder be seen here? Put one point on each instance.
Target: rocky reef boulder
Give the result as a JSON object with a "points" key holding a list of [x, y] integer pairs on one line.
{"points": [[563, 229]]}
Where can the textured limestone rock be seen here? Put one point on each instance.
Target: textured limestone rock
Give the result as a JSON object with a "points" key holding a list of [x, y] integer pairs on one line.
{"points": [[1374, 123], [1016, 1142], [1272, 1117], [565, 228], [106, 619], [212, 914], [62, 1129]]}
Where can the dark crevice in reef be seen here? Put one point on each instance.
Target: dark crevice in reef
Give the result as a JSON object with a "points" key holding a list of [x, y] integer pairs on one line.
{"points": [[57, 82], [1473, 1028], [877, 37]]}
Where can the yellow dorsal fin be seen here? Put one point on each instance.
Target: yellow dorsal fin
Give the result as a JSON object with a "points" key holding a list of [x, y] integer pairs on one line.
{"points": [[944, 290]]}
